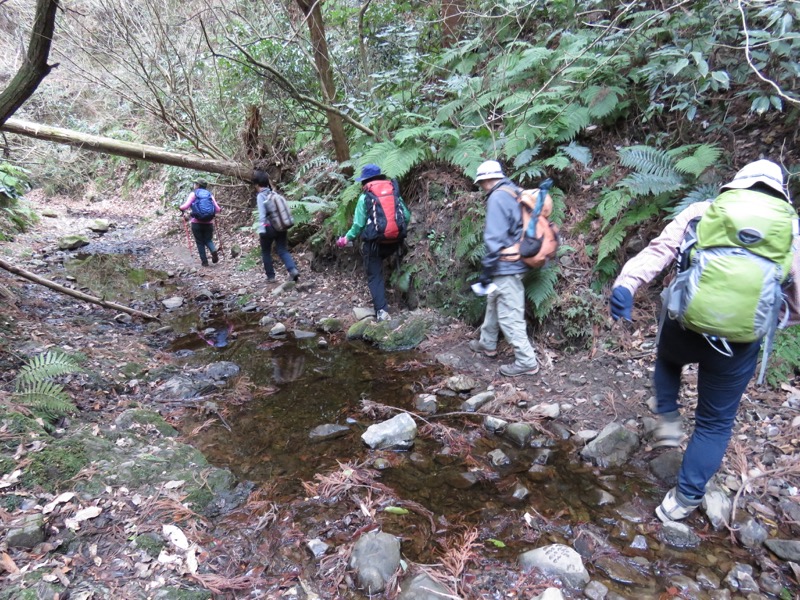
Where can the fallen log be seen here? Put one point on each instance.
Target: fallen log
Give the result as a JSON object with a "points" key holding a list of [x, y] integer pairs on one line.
{"points": [[97, 143], [74, 293]]}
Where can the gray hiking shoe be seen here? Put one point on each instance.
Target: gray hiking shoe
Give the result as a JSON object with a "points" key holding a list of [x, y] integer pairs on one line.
{"points": [[514, 370], [294, 274], [675, 506], [382, 315], [667, 433], [476, 346]]}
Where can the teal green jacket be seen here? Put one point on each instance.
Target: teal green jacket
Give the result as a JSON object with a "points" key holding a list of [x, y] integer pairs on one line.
{"points": [[360, 216]]}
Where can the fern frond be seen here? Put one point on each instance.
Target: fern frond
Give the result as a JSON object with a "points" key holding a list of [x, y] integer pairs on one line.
{"points": [[601, 100], [540, 290], [532, 57], [700, 193], [45, 366], [643, 184], [646, 159], [466, 154], [578, 153], [412, 133], [703, 157], [46, 397], [610, 241], [573, 121], [448, 110], [526, 156], [611, 205], [557, 161], [395, 161]]}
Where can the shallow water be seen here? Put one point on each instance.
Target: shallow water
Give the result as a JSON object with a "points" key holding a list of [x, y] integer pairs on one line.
{"points": [[303, 386]]}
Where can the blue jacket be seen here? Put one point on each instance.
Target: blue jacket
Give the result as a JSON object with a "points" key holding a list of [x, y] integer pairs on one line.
{"points": [[503, 229]]}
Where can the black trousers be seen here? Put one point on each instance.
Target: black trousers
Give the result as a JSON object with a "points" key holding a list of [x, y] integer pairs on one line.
{"points": [[204, 236], [374, 254]]}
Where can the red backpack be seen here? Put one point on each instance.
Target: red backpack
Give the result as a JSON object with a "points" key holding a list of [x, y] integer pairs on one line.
{"points": [[385, 219]]}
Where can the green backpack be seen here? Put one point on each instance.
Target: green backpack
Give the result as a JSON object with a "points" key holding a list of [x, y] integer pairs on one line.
{"points": [[731, 268]]}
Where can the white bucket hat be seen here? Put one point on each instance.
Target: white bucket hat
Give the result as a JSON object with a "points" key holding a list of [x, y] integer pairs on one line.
{"points": [[764, 171], [490, 169]]}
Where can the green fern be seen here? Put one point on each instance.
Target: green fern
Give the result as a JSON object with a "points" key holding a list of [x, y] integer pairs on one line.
{"points": [[611, 204], [395, 161], [34, 389], [704, 191], [540, 290], [704, 156], [45, 366]]}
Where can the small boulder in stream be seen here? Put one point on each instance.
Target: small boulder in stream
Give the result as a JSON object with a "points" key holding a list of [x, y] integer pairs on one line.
{"points": [[72, 242], [375, 558], [403, 332], [612, 447], [398, 433], [557, 560]]}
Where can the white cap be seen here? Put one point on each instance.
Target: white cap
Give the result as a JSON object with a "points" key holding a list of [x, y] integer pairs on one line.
{"points": [[764, 171], [490, 169]]}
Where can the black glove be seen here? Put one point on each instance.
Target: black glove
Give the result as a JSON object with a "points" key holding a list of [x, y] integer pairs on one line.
{"points": [[485, 278]]}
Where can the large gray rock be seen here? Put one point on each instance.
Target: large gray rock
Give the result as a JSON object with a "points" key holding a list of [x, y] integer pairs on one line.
{"points": [[172, 303], [717, 507], [519, 433], [422, 587], [476, 401], [72, 242], [612, 447], [785, 549], [559, 561], [678, 535], [26, 532], [375, 558], [749, 531], [329, 431], [399, 432]]}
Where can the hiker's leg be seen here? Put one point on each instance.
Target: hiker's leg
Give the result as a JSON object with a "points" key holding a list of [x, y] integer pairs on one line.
{"points": [[283, 251], [210, 238], [490, 330], [676, 348], [511, 318], [199, 239], [721, 381], [373, 265], [265, 241]]}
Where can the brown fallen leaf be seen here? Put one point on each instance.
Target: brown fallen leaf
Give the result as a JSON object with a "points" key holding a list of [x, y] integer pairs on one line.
{"points": [[7, 563]]}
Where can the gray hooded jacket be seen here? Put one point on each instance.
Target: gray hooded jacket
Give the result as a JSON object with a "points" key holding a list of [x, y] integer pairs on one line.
{"points": [[503, 229]]}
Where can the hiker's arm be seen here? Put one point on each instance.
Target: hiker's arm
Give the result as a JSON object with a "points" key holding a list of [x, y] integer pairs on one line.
{"points": [[262, 210], [359, 219], [663, 250], [217, 208], [404, 208], [793, 292], [188, 203]]}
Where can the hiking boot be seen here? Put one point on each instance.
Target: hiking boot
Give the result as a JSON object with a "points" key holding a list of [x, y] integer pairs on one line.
{"points": [[294, 274], [515, 369], [476, 346], [271, 279], [382, 315], [675, 506], [215, 257], [668, 432], [204, 264]]}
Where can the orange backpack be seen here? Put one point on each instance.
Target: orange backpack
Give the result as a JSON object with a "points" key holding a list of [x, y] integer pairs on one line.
{"points": [[539, 241]]}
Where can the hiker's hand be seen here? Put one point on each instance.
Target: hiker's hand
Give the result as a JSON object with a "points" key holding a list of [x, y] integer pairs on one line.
{"points": [[342, 241], [621, 303], [485, 278]]}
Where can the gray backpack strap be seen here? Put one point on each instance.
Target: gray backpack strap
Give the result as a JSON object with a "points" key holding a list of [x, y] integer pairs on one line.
{"points": [[770, 336]]}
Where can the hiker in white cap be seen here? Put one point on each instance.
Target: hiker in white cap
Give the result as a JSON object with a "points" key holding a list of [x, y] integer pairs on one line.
{"points": [[505, 306], [745, 245]]}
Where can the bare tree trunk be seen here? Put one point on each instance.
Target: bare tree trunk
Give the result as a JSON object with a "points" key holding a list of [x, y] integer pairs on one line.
{"points": [[74, 293], [452, 19], [35, 67], [316, 27], [96, 143]]}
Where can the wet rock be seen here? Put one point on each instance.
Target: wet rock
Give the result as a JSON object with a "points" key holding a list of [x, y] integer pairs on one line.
{"points": [[618, 569], [749, 531], [519, 492], [360, 313], [519, 433], [494, 424], [123, 318], [184, 387], [717, 507], [498, 458], [770, 583], [546, 411], [791, 512], [375, 558], [785, 549], [422, 587], [595, 590], [135, 416], [322, 343], [666, 466], [719, 595], [172, 303], [426, 403], [72, 242], [277, 329], [266, 321], [330, 325], [461, 480], [226, 498], [740, 579], [707, 579], [462, 383], [612, 447], [543, 456], [550, 594], [422, 461], [286, 286], [328, 431], [585, 435], [317, 547], [299, 334], [597, 497], [402, 333], [639, 542], [398, 432], [686, 586], [249, 307], [476, 401], [540, 474], [26, 531], [589, 543], [222, 370], [559, 561], [559, 430], [678, 535]]}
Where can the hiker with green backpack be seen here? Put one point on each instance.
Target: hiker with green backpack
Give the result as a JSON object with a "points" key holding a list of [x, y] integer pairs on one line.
{"points": [[736, 281]]}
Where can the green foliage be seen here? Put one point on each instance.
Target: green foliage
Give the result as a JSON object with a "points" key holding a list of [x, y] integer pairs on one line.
{"points": [[13, 182], [540, 290], [578, 315], [784, 361], [34, 389], [15, 214]]}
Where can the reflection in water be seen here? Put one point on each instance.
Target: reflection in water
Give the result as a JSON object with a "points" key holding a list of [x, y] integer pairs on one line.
{"points": [[287, 369]]}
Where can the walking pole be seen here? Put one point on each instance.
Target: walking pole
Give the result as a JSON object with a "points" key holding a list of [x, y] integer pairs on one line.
{"points": [[188, 235]]}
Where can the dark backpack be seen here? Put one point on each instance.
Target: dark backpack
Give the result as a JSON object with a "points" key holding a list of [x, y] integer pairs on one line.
{"points": [[278, 212], [203, 208], [386, 222]]}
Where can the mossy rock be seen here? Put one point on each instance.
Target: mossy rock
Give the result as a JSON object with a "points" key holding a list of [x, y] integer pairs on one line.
{"points": [[152, 543], [72, 242], [100, 225], [57, 463], [330, 325], [173, 593], [145, 417], [402, 333]]}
